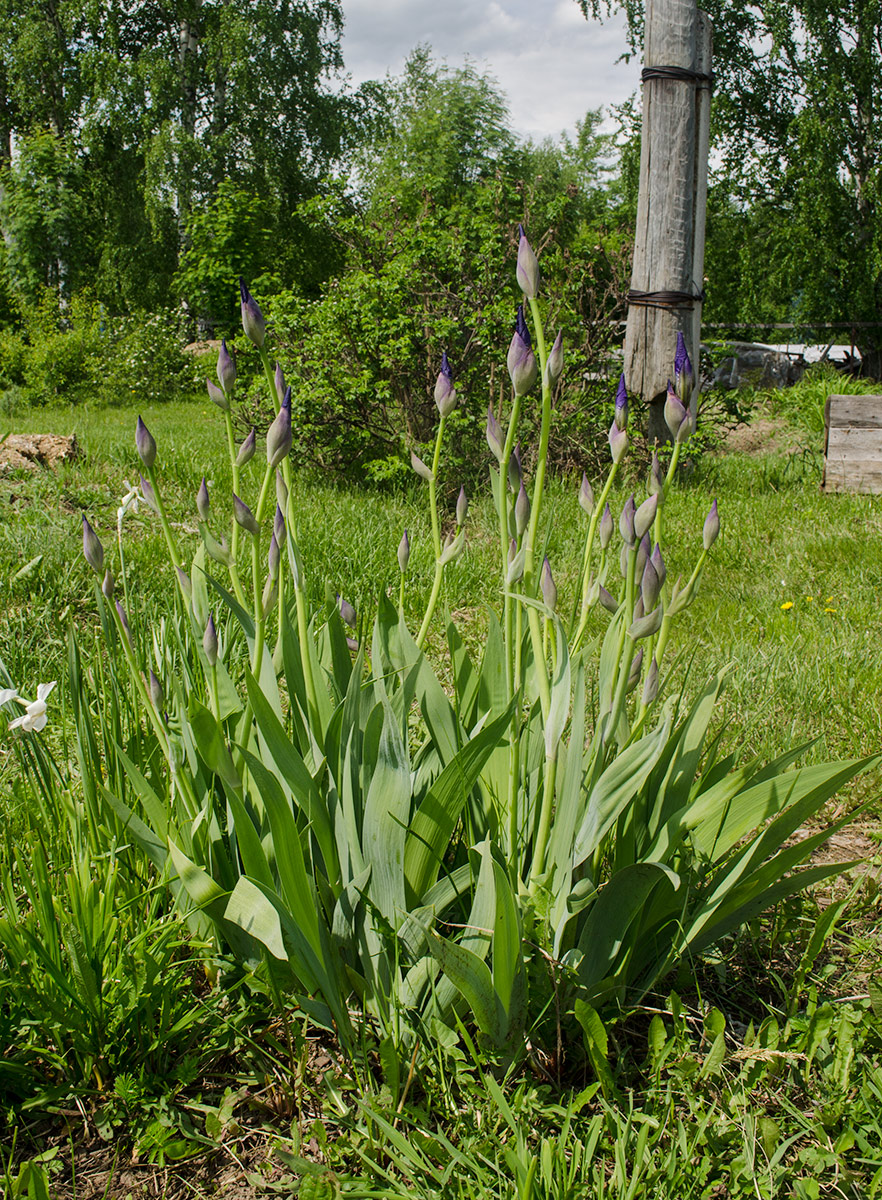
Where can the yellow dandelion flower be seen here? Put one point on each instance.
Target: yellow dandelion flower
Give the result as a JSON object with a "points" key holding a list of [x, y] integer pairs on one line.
{"points": [[809, 599], [829, 610], [829, 600], [787, 604]]}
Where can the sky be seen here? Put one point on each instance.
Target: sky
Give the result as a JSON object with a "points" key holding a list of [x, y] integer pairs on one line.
{"points": [[552, 63]]}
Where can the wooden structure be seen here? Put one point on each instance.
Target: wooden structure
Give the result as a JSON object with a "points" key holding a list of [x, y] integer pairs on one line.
{"points": [[853, 444], [668, 266]]}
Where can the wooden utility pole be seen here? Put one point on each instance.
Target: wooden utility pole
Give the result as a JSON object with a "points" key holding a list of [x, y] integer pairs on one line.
{"points": [[668, 267]]}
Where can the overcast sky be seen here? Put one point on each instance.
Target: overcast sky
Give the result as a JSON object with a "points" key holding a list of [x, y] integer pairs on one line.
{"points": [[552, 63]]}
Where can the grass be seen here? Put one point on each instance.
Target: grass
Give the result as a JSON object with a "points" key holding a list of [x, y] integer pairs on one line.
{"points": [[782, 1098]]}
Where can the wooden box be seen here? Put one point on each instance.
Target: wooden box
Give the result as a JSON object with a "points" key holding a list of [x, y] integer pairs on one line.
{"points": [[853, 444]]}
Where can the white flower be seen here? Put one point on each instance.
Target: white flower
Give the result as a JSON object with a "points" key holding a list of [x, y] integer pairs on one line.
{"points": [[129, 501], [35, 717], [8, 694]]}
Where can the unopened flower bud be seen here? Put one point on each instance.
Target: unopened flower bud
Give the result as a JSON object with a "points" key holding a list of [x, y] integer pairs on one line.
{"points": [[244, 516], [621, 416], [626, 522], [606, 527], [618, 442], [711, 527], [279, 438], [554, 362], [645, 515], [462, 506], [650, 684], [656, 478], [452, 548], [272, 558], [645, 626], [516, 559], [149, 495], [528, 266], [403, 552], [634, 673], [675, 413], [650, 585], [420, 467], [658, 563], [515, 470], [217, 396], [124, 622], [609, 602], [683, 374], [521, 359], [156, 693], [347, 612], [145, 444], [643, 551], [203, 504], [209, 641], [623, 559], [279, 526], [269, 597], [586, 496], [549, 587], [494, 435], [93, 551], [279, 380], [107, 586], [522, 510], [226, 368], [252, 318], [445, 394], [281, 492], [246, 450], [184, 581]]}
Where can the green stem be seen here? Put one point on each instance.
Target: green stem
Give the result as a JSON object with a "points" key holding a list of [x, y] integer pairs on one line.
{"points": [[542, 460], [433, 601], [626, 645], [538, 866], [586, 557], [234, 533]]}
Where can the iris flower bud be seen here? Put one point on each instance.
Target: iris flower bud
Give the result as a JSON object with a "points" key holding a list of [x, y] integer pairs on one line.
{"points": [[209, 641], [279, 379], [347, 612], [521, 359], [145, 444], [606, 528], [269, 597], [549, 587], [675, 413], [650, 585], [634, 673], [683, 373], [217, 396], [279, 438], [252, 318], [528, 266], [462, 506], [658, 563], [156, 693], [445, 395], [420, 467], [279, 525], [403, 552], [644, 550], [711, 527], [554, 362], [272, 559], [203, 504], [608, 601], [494, 435], [586, 496], [246, 450], [622, 404], [515, 469], [244, 516], [516, 559], [184, 580], [226, 368], [124, 621], [626, 522], [645, 515], [522, 510], [650, 684], [107, 587], [656, 479], [149, 495], [618, 442], [452, 548], [281, 492], [93, 551]]}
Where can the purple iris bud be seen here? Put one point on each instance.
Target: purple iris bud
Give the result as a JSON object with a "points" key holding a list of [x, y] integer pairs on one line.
{"points": [[203, 504], [606, 528], [634, 673], [549, 587], [145, 444], [515, 469], [347, 612], [279, 438], [124, 622], [403, 552], [644, 549], [711, 527], [521, 359], [420, 467], [626, 522], [682, 365], [281, 493], [650, 586], [494, 435], [650, 684], [522, 510], [639, 609], [149, 495], [528, 266], [645, 515], [246, 450], [622, 404], [462, 506], [658, 563], [656, 479], [93, 551], [618, 442], [226, 368], [108, 586], [274, 554], [184, 581], [286, 398], [244, 516], [252, 318], [217, 395], [586, 496], [279, 378], [516, 559], [554, 362], [156, 693], [279, 525], [209, 641], [269, 597], [608, 601], [675, 413], [445, 395]]}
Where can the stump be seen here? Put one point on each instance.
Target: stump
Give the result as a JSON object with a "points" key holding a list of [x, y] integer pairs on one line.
{"points": [[853, 444], [31, 451]]}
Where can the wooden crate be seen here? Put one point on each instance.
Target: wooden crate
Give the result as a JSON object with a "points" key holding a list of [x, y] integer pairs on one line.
{"points": [[853, 444]]}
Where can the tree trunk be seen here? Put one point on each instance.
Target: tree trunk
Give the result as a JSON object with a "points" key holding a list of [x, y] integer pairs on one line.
{"points": [[666, 251]]}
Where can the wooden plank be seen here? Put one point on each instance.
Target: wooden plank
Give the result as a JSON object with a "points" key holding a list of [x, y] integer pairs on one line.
{"points": [[853, 477], [864, 412], [858, 441]]}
